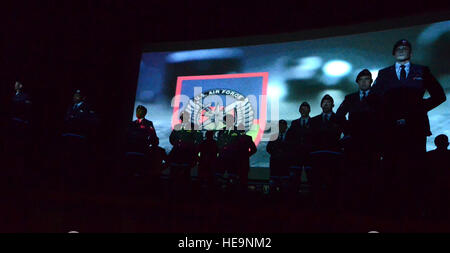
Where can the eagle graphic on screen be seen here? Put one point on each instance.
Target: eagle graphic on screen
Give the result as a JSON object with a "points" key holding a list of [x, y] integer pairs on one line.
{"points": [[209, 99], [212, 117]]}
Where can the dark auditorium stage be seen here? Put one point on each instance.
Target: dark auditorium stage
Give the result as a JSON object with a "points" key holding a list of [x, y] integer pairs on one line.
{"points": [[82, 61], [48, 210]]}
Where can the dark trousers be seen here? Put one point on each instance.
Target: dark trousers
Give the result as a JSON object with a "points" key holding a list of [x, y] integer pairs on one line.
{"points": [[403, 170], [358, 182]]}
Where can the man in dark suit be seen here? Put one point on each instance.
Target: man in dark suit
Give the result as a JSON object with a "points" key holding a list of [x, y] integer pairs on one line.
{"points": [[21, 104], [299, 138], [19, 115], [279, 155], [245, 149], [300, 133], [361, 147], [17, 137], [141, 132], [208, 158], [80, 119], [401, 88], [185, 139], [326, 127], [325, 170], [235, 149]]}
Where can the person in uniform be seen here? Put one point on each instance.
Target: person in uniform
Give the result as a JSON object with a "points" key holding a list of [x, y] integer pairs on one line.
{"points": [[326, 127], [362, 146], [299, 138], [404, 109], [235, 149], [279, 155], [185, 139], [208, 158], [142, 133], [325, 159], [245, 148], [80, 118], [21, 104]]}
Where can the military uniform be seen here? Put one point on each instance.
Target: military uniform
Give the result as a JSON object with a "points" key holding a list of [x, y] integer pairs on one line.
{"points": [[80, 119], [183, 156], [235, 149], [141, 134]]}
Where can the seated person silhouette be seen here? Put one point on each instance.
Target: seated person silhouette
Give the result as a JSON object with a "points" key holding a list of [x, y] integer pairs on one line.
{"points": [[20, 105], [17, 139], [18, 124], [438, 165], [80, 119], [279, 156], [158, 159], [157, 163], [208, 158], [79, 127]]}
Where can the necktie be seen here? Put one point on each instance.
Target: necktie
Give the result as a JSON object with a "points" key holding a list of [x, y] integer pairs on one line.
{"points": [[364, 95], [402, 73], [303, 122]]}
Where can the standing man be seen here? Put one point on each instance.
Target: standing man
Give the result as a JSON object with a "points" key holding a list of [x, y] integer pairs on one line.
{"points": [[185, 139], [143, 128], [235, 149], [325, 162], [245, 149], [300, 133], [401, 88], [208, 158], [279, 155], [299, 138], [326, 126], [361, 146]]}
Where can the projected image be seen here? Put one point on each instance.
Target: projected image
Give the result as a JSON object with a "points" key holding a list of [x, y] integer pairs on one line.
{"points": [[209, 99], [301, 71]]}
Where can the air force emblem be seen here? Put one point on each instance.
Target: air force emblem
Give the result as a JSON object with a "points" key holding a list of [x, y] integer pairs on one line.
{"points": [[207, 100]]}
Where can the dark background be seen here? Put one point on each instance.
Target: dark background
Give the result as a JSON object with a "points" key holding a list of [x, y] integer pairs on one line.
{"points": [[55, 47]]}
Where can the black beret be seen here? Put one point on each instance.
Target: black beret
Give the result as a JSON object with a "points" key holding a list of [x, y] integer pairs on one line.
{"points": [[364, 72], [401, 42], [326, 97], [304, 104]]}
